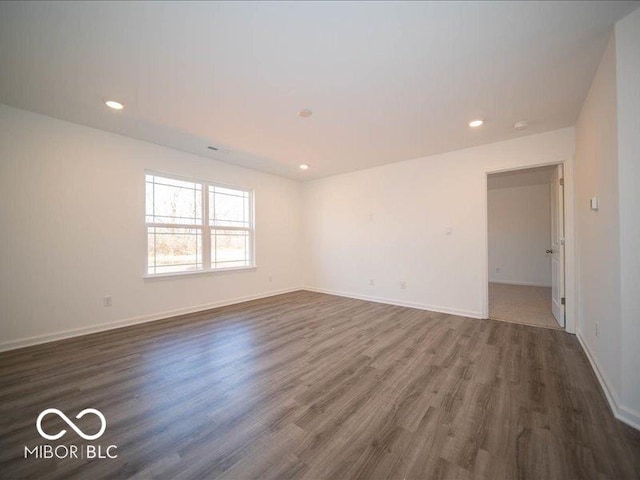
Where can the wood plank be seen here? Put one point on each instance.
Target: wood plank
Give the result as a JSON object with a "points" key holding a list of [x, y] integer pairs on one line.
{"points": [[307, 385]]}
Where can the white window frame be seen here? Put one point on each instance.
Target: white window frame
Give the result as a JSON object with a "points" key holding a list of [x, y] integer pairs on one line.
{"points": [[204, 227]]}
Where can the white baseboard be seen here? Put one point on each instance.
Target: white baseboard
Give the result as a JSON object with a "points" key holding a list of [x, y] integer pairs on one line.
{"points": [[622, 413], [526, 284], [399, 303], [75, 332]]}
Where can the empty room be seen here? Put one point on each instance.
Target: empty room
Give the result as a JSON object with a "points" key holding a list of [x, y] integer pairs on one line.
{"points": [[525, 225], [320, 240]]}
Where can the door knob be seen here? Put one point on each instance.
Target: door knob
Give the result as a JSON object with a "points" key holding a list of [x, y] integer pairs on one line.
{"points": [[550, 250]]}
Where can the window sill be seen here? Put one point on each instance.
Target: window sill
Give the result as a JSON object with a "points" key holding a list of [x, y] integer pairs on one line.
{"points": [[198, 273]]}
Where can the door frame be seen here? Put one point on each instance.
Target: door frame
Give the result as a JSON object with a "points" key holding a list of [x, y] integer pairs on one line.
{"points": [[570, 290]]}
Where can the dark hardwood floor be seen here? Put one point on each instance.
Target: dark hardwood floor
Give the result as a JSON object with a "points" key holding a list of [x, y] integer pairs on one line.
{"points": [[313, 386]]}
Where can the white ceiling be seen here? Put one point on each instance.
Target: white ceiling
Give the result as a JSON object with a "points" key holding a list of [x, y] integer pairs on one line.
{"points": [[521, 178], [386, 81]]}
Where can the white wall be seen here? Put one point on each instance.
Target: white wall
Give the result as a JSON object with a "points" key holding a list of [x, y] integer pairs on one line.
{"points": [[608, 258], [519, 234], [390, 224], [71, 220], [598, 249], [628, 85]]}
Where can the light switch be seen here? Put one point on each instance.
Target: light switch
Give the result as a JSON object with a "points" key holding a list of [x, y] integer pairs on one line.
{"points": [[594, 203]]}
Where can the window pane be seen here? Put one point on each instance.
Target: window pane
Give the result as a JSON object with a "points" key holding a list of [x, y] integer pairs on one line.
{"points": [[173, 201], [174, 249], [230, 248], [228, 208]]}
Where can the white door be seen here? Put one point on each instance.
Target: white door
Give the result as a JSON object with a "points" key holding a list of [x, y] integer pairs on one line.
{"points": [[557, 245]]}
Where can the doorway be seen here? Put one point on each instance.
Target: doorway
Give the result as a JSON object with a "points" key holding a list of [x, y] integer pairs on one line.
{"points": [[525, 220]]}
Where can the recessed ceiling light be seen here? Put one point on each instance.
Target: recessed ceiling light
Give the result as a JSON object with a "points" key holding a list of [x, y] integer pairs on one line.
{"points": [[475, 123], [304, 166], [305, 113], [113, 104]]}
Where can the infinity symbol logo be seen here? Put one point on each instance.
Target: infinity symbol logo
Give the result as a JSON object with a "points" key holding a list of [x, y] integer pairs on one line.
{"points": [[46, 412]]}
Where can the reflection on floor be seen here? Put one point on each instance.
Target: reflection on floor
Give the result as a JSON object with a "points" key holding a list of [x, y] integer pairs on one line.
{"points": [[521, 304]]}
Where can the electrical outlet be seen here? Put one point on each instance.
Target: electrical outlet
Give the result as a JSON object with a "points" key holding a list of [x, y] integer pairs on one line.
{"points": [[270, 278], [403, 285], [498, 269], [597, 329], [107, 301], [372, 282]]}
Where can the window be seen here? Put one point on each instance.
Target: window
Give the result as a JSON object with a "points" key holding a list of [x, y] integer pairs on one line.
{"points": [[197, 226]]}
